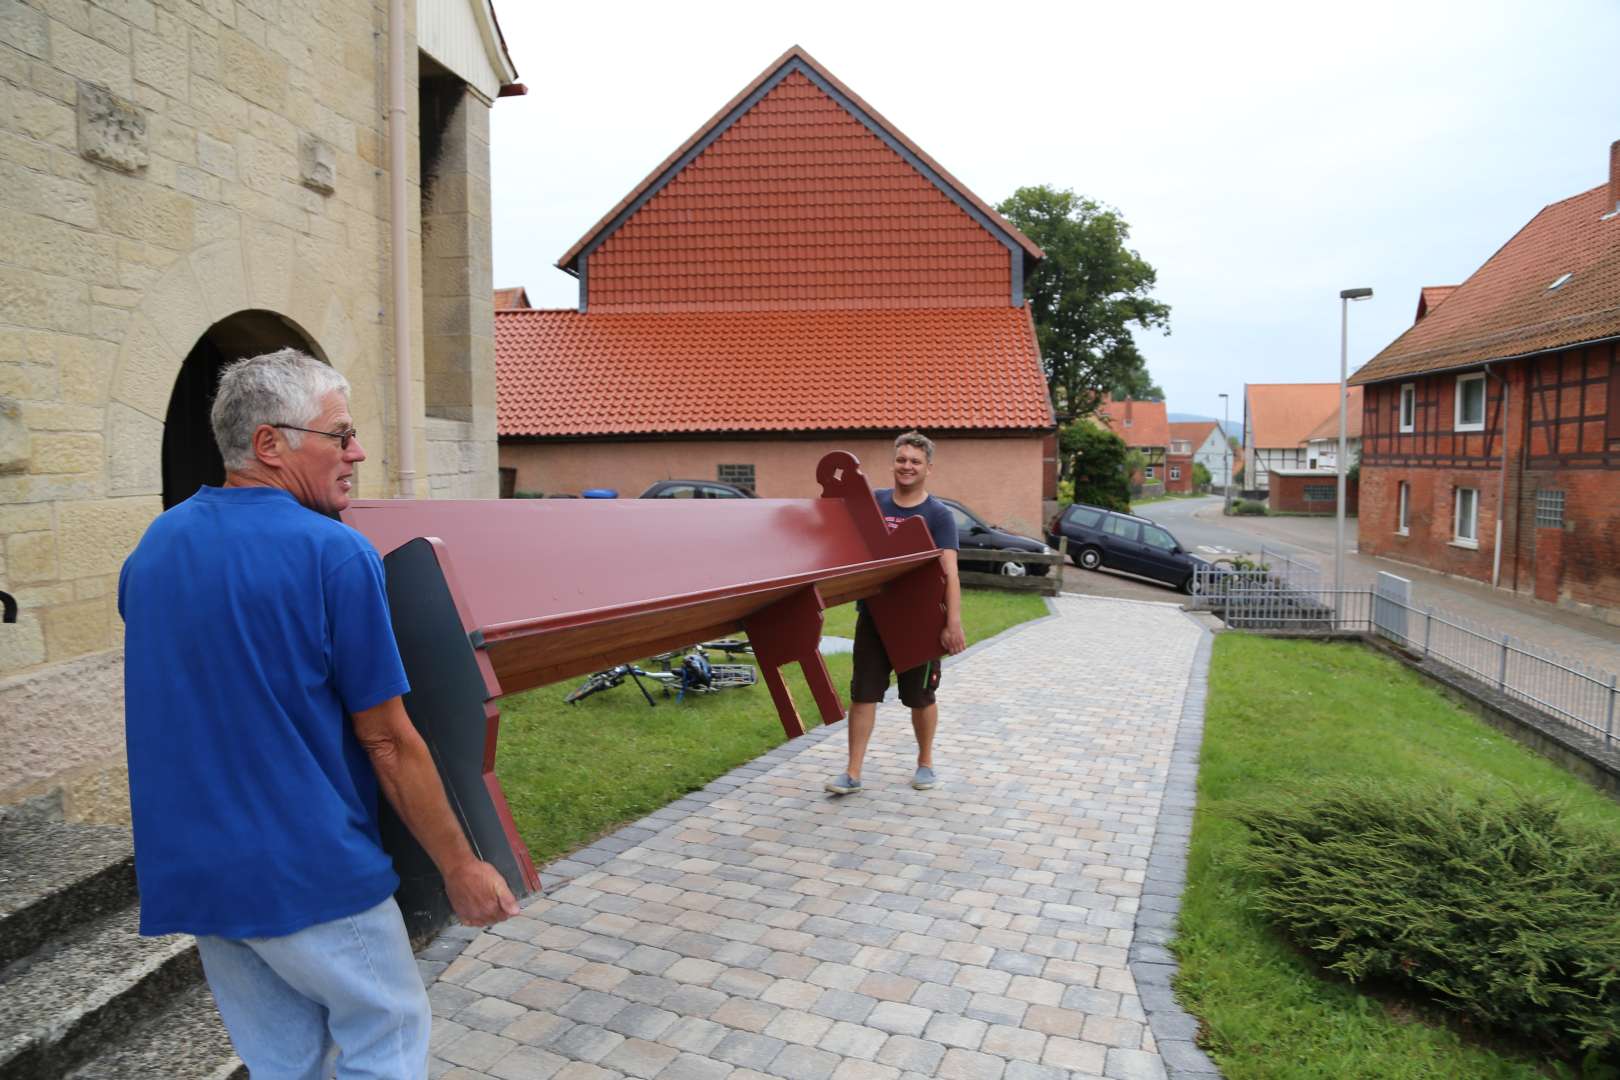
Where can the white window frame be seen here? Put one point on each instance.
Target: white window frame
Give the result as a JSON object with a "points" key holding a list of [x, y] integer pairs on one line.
{"points": [[1407, 416], [1175, 472], [1458, 423], [1403, 502], [1457, 518], [1148, 473]]}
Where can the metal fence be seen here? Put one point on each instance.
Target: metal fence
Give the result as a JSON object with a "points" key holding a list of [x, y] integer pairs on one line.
{"points": [[1275, 599]]}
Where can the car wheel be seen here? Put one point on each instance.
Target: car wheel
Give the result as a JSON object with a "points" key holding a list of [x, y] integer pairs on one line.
{"points": [[1189, 584], [1013, 569], [1089, 558]]}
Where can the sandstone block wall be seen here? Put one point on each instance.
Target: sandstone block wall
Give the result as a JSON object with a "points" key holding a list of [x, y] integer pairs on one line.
{"points": [[165, 164]]}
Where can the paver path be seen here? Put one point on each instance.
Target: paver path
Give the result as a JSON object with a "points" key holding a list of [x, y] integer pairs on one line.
{"points": [[760, 928]]}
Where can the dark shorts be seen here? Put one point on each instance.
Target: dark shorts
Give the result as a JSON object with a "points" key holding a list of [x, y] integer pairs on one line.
{"points": [[871, 678]]}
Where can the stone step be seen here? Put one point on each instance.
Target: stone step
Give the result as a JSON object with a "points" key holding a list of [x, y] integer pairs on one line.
{"points": [[187, 1039], [79, 992], [55, 876]]}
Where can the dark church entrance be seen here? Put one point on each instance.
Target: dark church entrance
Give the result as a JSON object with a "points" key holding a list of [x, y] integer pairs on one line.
{"points": [[190, 456]]}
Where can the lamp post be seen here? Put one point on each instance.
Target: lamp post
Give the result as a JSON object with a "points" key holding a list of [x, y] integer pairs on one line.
{"points": [[1226, 445], [1345, 296]]}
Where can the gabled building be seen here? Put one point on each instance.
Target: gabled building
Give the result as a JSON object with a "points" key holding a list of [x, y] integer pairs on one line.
{"points": [[1322, 443], [1491, 426], [797, 277], [1205, 445], [1145, 427], [1278, 419]]}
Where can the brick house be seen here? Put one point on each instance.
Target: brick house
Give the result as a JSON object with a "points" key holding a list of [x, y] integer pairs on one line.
{"points": [[186, 184], [1145, 427], [1491, 426], [797, 277]]}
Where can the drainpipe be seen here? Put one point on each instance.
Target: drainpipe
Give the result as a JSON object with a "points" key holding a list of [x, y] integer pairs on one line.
{"points": [[1501, 486], [404, 431]]}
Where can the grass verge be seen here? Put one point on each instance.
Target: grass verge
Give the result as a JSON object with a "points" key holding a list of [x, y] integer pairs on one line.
{"points": [[574, 772], [1286, 716]]}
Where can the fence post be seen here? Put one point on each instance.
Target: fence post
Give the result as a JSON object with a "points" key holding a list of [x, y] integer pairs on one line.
{"points": [[1501, 675], [1428, 622], [1608, 726]]}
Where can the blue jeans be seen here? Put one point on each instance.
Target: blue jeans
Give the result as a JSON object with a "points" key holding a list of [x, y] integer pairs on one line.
{"points": [[351, 984]]}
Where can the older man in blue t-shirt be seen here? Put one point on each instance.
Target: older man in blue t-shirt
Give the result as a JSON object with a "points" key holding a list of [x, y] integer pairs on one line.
{"points": [[913, 463], [256, 627]]}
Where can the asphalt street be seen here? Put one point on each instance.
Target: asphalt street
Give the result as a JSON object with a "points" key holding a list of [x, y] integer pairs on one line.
{"points": [[1200, 527]]}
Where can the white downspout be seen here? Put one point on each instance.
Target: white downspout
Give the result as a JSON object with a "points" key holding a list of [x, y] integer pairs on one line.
{"points": [[403, 413]]}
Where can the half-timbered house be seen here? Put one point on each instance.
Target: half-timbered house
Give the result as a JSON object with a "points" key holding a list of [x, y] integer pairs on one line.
{"points": [[1491, 426]]}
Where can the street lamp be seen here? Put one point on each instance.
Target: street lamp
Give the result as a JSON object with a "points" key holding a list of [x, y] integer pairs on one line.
{"points": [[1345, 296], [1226, 445]]}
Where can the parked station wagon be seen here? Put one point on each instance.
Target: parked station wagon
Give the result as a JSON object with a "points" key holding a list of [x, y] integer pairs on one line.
{"points": [[1100, 538]]}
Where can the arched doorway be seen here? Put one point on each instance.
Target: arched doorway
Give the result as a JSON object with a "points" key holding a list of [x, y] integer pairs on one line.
{"points": [[190, 456]]}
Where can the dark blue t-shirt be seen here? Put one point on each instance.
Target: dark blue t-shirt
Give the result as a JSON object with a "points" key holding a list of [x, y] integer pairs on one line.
{"points": [[941, 522], [253, 627]]}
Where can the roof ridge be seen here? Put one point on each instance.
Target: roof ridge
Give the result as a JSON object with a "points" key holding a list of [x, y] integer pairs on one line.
{"points": [[773, 73]]}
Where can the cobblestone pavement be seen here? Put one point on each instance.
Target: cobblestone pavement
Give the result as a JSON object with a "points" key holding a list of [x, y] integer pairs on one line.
{"points": [[1007, 924]]}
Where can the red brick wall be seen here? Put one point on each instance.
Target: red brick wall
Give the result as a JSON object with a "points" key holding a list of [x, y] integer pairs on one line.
{"points": [[1184, 463], [1288, 494], [1431, 504]]}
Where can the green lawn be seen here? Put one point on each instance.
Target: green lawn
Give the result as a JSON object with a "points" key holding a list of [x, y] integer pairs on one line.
{"points": [[574, 772], [1283, 716]]}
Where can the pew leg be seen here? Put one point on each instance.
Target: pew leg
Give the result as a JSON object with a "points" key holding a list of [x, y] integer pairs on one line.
{"points": [[785, 709]]}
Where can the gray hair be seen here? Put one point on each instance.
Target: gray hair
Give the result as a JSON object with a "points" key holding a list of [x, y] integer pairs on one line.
{"points": [[919, 440], [281, 387]]}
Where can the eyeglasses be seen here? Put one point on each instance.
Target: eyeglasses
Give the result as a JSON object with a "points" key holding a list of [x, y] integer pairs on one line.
{"points": [[342, 437]]}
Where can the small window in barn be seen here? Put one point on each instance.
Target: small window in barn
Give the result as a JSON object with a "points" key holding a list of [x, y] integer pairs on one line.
{"points": [[1549, 509], [1470, 413], [1408, 406], [741, 475]]}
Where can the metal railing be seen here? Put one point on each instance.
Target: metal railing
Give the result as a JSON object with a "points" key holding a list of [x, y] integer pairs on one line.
{"points": [[1567, 690]]}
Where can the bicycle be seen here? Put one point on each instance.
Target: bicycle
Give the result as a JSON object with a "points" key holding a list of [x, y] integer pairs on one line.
{"points": [[696, 674]]}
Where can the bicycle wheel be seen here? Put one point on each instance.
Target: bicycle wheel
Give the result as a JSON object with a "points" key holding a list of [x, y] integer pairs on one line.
{"points": [[730, 646]]}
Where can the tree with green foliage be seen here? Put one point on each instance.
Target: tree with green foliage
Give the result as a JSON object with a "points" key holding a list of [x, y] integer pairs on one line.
{"points": [[1096, 460], [1086, 295], [1201, 477]]}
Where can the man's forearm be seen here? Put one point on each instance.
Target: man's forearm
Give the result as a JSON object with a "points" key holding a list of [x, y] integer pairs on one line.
{"points": [[410, 781]]}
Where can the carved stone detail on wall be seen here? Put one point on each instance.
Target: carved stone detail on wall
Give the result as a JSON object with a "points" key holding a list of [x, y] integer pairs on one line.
{"points": [[317, 162], [112, 131]]}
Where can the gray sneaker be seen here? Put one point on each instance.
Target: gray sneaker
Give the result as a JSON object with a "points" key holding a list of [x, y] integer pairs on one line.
{"points": [[844, 784], [923, 778]]}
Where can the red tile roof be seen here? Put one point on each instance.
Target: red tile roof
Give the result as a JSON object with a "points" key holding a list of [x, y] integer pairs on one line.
{"points": [[794, 203], [1192, 431], [1429, 298], [1329, 427], [1149, 421], [1284, 414], [564, 373], [1506, 307], [515, 297]]}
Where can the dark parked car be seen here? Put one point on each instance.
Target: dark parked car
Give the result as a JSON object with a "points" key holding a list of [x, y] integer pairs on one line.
{"points": [[1105, 538], [696, 489], [973, 532]]}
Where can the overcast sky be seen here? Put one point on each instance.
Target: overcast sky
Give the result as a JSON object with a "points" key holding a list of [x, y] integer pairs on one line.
{"points": [[1265, 155]]}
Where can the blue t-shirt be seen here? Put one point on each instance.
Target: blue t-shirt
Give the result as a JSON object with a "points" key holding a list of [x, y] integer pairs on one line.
{"points": [[941, 522], [253, 627]]}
